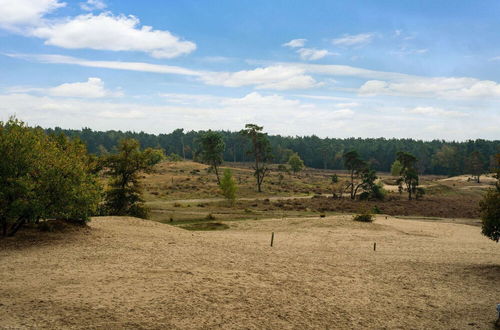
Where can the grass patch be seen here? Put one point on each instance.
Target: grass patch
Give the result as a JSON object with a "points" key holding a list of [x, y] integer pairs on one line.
{"points": [[205, 226]]}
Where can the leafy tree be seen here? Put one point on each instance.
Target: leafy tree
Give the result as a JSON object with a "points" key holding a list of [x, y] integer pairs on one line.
{"points": [[228, 186], [43, 177], [260, 150], [124, 194], [408, 172], [448, 158], [371, 189], [212, 149], [296, 164], [355, 165], [475, 164], [396, 168]]}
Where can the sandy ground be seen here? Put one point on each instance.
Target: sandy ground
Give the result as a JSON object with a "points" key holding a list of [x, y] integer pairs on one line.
{"points": [[321, 273]]}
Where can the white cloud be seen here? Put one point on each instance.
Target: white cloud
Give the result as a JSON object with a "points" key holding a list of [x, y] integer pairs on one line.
{"points": [[354, 40], [443, 87], [131, 114], [117, 65], [255, 99], [496, 58], [272, 77], [434, 111], [117, 33], [286, 76], [16, 14], [347, 105], [92, 5], [295, 43], [278, 115], [92, 88], [311, 54]]}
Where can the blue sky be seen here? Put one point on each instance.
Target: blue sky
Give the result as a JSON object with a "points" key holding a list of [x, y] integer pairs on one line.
{"points": [[420, 69]]}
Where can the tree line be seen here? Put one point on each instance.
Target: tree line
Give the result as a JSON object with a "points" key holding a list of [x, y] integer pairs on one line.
{"points": [[434, 157], [52, 176]]}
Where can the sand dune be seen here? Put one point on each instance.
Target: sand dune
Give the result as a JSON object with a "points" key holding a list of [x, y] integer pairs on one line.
{"points": [[321, 273]]}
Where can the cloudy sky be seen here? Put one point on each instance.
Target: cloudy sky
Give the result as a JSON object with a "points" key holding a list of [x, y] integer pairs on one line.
{"points": [[420, 69]]}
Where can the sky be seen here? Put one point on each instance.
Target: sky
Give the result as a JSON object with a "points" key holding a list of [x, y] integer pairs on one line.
{"points": [[403, 69]]}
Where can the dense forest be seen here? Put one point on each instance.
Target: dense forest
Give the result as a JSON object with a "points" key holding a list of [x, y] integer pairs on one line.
{"points": [[434, 157]]}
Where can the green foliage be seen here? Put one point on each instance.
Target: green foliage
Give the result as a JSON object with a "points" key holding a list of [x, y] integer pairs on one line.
{"points": [[490, 214], [212, 148], [490, 208], [396, 168], [364, 217], [173, 157], [228, 186], [420, 192], [408, 173], [123, 196], [335, 178], [296, 164], [355, 166], [314, 151], [43, 177], [260, 151], [475, 164]]}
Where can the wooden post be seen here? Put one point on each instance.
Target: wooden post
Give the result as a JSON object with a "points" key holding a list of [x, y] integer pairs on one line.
{"points": [[374, 246], [272, 238]]}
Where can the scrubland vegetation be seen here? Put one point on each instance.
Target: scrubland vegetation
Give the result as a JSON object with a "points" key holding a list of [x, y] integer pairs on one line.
{"points": [[209, 225]]}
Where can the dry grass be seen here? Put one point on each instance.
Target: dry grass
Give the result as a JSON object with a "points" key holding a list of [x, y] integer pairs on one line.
{"points": [[321, 273]]}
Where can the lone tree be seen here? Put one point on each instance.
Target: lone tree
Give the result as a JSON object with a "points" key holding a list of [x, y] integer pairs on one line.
{"points": [[490, 208], [228, 186], [408, 173], [355, 165], [124, 194], [43, 177], [475, 164], [260, 150], [212, 149], [296, 163]]}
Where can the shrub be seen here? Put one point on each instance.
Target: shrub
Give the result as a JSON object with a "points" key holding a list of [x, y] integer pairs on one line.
{"points": [[490, 214], [228, 186], [420, 192], [364, 217]]}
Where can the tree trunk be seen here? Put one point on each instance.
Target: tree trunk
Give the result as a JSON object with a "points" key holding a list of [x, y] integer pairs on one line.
{"points": [[216, 173], [16, 226], [4, 227]]}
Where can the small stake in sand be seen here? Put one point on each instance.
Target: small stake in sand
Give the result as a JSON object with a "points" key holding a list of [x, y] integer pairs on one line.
{"points": [[374, 246], [272, 238]]}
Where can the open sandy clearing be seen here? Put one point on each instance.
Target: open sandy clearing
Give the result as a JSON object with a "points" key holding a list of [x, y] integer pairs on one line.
{"points": [[321, 273]]}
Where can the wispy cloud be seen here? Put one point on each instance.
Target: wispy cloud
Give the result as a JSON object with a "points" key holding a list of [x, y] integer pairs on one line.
{"points": [[295, 43], [312, 54], [91, 5], [349, 40]]}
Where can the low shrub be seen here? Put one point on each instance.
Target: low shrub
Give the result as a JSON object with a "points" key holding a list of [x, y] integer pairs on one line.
{"points": [[364, 217]]}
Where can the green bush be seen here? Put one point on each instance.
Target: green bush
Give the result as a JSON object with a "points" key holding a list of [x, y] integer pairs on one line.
{"points": [[490, 214], [228, 186], [364, 217]]}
